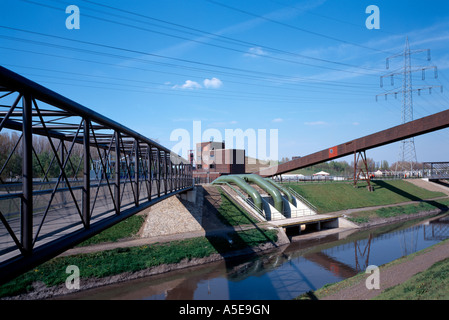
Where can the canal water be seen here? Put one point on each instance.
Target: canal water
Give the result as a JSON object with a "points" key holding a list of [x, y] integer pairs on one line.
{"points": [[287, 272]]}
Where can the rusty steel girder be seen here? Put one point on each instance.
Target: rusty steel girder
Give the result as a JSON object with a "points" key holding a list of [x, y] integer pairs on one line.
{"points": [[410, 129]]}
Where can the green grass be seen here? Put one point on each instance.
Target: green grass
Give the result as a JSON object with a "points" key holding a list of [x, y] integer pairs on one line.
{"points": [[111, 262], [368, 216], [332, 197], [125, 229], [132, 259], [231, 213], [431, 284]]}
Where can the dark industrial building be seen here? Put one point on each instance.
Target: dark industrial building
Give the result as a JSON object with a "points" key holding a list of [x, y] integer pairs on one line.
{"points": [[213, 160]]}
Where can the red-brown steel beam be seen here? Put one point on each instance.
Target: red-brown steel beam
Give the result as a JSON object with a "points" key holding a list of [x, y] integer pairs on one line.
{"points": [[410, 129]]}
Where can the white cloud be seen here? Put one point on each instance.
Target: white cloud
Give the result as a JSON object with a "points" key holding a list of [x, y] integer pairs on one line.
{"points": [[213, 83], [315, 123], [189, 84], [277, 120], [255, 52]]}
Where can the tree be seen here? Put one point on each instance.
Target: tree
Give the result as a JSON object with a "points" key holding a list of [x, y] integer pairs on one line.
{"points": [[43, 162]]}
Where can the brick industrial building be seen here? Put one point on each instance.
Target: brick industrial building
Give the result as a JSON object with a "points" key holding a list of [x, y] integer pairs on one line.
{"points": [[213, 160]]}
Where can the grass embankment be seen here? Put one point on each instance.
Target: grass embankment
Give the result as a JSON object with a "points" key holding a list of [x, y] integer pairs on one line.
{"points": [[112, 262], [430, 284], [331, 197], [396, 211], [230, 213], [126, 229]]}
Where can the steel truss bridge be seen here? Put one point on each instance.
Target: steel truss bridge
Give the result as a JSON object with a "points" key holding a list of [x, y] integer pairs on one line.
{"points": [[436, 170], [117, 173], [358, 147]]}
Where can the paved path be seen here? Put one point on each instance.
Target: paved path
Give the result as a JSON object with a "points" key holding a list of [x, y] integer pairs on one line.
{"points": [[201, 233], [150, 240], [431, 186], [394, 274]]}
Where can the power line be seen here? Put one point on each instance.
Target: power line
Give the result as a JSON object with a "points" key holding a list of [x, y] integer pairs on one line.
{"points": [[196, 94], [239, 42], [294, 27], [306, 85], [363, 27], [339, 90], [246, 72], [407, 152], [246, 43], [153, 55], [252, 96]]}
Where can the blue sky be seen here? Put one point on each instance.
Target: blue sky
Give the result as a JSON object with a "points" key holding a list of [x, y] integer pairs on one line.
{"points": [[308, 68]]}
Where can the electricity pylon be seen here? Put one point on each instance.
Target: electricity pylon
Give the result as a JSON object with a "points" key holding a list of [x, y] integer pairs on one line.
{"points": [[407, 153]]}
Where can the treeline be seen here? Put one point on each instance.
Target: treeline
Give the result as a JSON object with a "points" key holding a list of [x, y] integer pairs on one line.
{"points": [[44, 163], [343, 168], [334, 168]]}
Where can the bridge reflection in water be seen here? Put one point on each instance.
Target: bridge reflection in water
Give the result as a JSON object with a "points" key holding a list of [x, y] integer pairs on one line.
{"points": [[286, 272]]}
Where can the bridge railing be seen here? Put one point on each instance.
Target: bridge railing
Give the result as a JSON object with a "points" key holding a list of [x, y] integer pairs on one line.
{"points": [[67, 173], [303, 200], [248, 201], [435, 170]]}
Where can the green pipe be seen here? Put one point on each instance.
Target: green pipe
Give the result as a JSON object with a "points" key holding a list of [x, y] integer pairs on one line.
{"points": [[284, 190], [273, 191], [244, 186]]}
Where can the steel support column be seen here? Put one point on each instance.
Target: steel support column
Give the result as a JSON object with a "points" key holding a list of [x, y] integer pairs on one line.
{"points": [[166, 174], [362, 170], [159, 176], [150, 172], [62, 155], [169, 172], [86, 174], [34, 234], [136, 171], [117, 172], [27, 177]]}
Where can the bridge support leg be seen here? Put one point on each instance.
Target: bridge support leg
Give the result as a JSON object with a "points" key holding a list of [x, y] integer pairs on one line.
{"points": [[136, 172], [117, 172], [159, 169], [363, 170], [150, 172], [86, 175], [27, 178]]}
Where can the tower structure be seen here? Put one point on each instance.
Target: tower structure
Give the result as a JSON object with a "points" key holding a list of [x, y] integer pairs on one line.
{"points": [[407, 152]]}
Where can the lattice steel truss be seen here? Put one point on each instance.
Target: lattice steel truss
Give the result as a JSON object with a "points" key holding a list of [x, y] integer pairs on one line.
{"points": [[436, 170], [105, 172], [407, 153]]}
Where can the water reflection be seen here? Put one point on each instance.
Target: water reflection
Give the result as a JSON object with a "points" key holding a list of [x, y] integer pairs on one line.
{"points": [[286, 272]]}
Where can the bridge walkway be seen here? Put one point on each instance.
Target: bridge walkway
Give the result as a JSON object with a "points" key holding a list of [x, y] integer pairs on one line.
{"points": [[98, 173]]}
